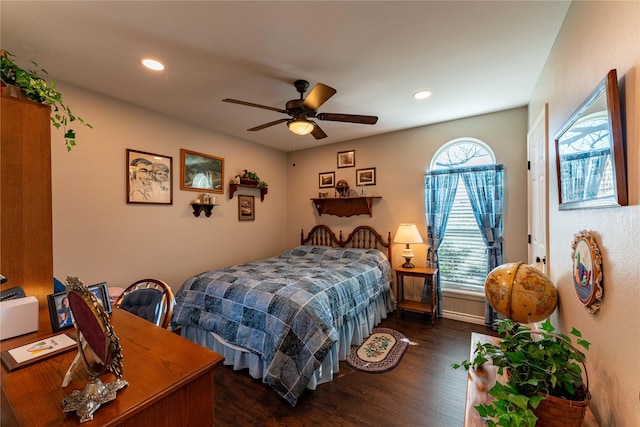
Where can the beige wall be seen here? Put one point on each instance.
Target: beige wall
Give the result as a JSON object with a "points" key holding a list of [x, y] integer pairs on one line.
{"points": [[597, 37], [98, 237], [401, 159]]}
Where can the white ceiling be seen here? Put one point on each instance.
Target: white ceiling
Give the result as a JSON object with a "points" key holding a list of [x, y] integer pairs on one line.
{"points": [[475, 56]]}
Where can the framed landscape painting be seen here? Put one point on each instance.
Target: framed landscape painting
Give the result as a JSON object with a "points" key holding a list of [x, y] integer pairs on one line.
{"points": [[246, 208], [201, 172], [366, 176], [326, 179], [347, 159]]}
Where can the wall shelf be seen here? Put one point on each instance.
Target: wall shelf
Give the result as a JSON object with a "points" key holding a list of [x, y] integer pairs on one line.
{"points": [[234, 187], [199, 207], [345, 206]]}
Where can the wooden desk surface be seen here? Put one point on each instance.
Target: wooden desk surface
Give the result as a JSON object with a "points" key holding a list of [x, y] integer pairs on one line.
{"points": [[479, 383], [156, 363]]}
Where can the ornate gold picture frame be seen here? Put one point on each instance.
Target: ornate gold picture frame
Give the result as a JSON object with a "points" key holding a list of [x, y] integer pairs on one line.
{"points": [[587, 270]]}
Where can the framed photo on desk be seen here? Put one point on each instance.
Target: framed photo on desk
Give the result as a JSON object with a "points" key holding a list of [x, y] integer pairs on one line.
{"points": [[60, 312]]}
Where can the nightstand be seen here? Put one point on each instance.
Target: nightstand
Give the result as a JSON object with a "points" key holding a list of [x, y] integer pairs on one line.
{"points": [[428, 274]]}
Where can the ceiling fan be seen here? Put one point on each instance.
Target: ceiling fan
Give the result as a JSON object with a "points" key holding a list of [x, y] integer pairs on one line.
{"points": [[303, 109]]}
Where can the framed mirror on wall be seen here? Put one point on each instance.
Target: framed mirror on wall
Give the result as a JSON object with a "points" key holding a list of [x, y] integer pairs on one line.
{"points": [[590, 158]]}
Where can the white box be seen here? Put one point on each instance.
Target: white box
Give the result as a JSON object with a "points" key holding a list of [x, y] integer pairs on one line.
{"points": [[18, 317]]}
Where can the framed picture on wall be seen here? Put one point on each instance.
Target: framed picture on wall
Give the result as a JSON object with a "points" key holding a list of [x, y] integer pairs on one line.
{"points": [[326, 179], [366, 176], [149, 178], [246, 208], [201, 172], [347, 159]]}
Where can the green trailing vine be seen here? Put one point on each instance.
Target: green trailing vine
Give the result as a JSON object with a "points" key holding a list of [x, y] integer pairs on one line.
{"points": [[36, 88], [537, 363]]}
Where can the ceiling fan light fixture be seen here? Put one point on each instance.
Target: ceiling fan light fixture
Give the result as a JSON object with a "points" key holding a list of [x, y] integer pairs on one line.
{"points": [[300, 126]]}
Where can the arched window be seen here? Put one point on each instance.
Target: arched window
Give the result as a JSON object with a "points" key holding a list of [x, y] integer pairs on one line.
{"points": [[462, 254], [462, 152]]}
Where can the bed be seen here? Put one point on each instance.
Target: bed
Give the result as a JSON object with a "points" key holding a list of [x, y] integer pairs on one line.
{"points": [[290, 319]]}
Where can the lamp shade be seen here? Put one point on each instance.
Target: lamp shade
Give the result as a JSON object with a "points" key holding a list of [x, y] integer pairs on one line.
{"points": [[407, 233], [300, 126]]}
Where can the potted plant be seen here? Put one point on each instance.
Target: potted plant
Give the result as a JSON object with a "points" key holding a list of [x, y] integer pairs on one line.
{"points": [[543, 369], [252, 178], [35, 88]]}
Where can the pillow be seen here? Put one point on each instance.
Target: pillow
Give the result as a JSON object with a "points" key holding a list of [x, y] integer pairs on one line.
{"points": [[143, 303]]}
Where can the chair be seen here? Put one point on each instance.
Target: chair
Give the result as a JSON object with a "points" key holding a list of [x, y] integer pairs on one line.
{"points": [[150, 299]]}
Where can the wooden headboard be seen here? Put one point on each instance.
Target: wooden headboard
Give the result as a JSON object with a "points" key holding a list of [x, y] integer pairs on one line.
{"points": [[363, 237]]}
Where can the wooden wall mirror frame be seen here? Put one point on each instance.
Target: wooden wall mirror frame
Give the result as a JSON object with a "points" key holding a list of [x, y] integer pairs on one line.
{"points": [[590, 158]]}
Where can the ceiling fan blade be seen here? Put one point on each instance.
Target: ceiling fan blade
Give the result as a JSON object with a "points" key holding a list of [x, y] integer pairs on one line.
{"points": [[266, 125], [318, 96], [350, 118], [317, 132], [251, 104]]}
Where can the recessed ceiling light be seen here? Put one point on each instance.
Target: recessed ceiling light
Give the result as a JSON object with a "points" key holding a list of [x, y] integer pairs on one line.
{"points": [[152, 64], [423, 94]]}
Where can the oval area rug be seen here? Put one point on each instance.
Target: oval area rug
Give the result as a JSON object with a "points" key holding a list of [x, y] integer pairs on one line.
{"points": [[381, 352]]}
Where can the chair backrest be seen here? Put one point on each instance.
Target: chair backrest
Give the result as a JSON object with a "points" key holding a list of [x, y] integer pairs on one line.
{"points": [[150, 299]]}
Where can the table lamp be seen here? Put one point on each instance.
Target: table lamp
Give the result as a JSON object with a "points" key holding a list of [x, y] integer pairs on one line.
{"points": [[408, 234]]}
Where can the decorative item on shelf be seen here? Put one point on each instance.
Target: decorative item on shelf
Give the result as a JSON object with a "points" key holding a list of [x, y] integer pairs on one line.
{"points": [[521, 292], [408, 234], [208, 199], [35, 88], [252, 178], [544, 377], [342, 187]]}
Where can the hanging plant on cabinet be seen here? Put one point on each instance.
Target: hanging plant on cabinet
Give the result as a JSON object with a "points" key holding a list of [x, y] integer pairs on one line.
{"points": [[36, 88]]}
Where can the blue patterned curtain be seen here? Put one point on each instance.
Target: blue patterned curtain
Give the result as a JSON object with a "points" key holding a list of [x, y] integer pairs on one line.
{"points": [[439, 193], [485, 186], [582, 173]]}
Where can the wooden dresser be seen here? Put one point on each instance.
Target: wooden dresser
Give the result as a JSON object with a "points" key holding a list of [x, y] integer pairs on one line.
{"points": [[170, 381]]}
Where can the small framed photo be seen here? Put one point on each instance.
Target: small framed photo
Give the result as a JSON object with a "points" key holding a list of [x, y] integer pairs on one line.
{"points": [[326, 179], [201, 172], [347, 159], [149, 178], [366, 176], [246, 208], [102, 294], [59, 311]]}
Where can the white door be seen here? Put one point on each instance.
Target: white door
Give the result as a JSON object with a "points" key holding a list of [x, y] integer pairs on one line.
{"points": [[537, 149]]}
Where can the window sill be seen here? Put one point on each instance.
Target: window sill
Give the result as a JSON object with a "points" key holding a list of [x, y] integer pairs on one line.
{"points": [[460, 294]]}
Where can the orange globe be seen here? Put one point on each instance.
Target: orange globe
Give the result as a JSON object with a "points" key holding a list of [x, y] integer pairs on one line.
{"points": [[521, 292]]}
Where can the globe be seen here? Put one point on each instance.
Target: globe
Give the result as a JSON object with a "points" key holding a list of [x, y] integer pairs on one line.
{"points": [[521, 292]]}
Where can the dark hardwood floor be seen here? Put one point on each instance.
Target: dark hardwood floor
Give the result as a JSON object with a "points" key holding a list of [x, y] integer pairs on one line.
{"points": [[422, 391]]}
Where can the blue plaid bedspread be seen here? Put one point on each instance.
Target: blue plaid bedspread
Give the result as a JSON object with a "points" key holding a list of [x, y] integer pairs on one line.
{"points": [[286, 309]]}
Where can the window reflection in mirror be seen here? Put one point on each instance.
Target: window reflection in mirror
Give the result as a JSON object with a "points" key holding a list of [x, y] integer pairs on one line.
{"points": [[590, 152]]}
